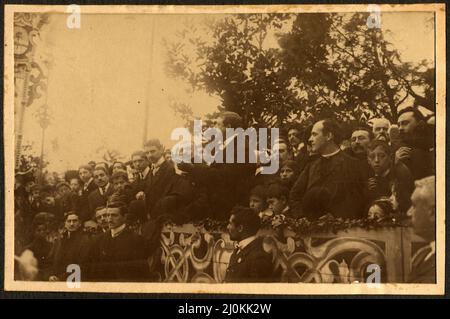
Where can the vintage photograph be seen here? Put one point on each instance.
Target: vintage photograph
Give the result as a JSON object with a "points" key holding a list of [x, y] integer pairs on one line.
{"points": [[225, 149]]}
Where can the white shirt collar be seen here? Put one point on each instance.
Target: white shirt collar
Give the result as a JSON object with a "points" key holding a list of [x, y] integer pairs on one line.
{"points": [[116, 231], [433, 250], [145, 172], [245, 242], [159, 162], [100, 189], [331, 154], [87, 184]]}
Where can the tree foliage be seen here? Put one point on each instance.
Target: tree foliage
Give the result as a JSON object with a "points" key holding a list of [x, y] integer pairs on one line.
{"points": [[323, 64]]}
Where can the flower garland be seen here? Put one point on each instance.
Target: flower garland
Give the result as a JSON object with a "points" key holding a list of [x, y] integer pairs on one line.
{"points": [[302, 226]]}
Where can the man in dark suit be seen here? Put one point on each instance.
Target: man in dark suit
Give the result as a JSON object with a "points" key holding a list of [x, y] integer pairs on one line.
{"points": [[71, 248], [99, 197], [228, 183], [82, 201], [359, 141], [143, 173], [423, 214], [249, 262], [160, 191], [118, 254], [340, 174], [416, 143]]}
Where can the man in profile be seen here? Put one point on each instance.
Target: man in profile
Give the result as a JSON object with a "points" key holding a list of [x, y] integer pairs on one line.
{"points": [[416, 143], [340, 174], [249, 262], [423, 214]]}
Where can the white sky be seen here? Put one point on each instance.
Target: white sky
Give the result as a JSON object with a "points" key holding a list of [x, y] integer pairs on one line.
{"points": [[101, 79]]}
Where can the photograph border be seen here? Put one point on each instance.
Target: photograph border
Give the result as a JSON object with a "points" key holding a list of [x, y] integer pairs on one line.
{"points": [[243, 288]]}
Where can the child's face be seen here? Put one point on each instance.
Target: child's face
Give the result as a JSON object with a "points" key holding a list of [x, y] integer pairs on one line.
{"points": [[286, 173], [276, 205], [256, 203], [375, 212], [378, 160], [119, 184]]}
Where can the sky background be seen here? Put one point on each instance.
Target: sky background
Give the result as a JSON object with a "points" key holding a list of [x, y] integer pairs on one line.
{"points": [[105, 73]]}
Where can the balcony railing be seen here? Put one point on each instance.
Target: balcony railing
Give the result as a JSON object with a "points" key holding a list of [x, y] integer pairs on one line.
{"points": [[192, 254]]}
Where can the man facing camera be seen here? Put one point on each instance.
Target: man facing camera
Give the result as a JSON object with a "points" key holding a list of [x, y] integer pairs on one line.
{"points": [[249, 262], [423, 214], [118, 254]]}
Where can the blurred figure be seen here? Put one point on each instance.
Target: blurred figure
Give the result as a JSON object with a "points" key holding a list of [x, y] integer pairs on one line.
{"points": [[40, 246], [90, 228], [75, 186], [118, 166], [63, 198], [86, 176], [423, 215]]}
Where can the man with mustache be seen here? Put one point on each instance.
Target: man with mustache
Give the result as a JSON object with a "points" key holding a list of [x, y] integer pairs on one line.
{"points": [[359, 141], [380, 129], [416, 143]]}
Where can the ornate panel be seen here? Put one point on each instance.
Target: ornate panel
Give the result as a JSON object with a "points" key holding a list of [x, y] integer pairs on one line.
{"points": [[192, 254]]}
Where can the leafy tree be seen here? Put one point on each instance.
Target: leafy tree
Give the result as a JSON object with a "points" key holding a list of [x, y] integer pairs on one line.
{"points": [[324, 65], [236, 66], [349, 69]]}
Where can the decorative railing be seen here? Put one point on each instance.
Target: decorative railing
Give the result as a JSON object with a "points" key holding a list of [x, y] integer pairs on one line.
{"points": [[192, 254]]}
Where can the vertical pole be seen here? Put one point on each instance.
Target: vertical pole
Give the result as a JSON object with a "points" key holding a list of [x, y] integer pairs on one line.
{"points": [[149, 87], [41, 164]]}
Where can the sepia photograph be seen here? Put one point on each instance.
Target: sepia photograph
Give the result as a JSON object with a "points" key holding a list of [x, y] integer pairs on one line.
{"points": [[264, 149]]}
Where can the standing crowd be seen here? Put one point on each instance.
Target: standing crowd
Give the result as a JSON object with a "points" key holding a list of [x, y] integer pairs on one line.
{"points": [[108, 218]]}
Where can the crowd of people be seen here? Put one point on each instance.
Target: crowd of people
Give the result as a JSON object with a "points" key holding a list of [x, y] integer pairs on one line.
{"points": [[108, 218]]}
